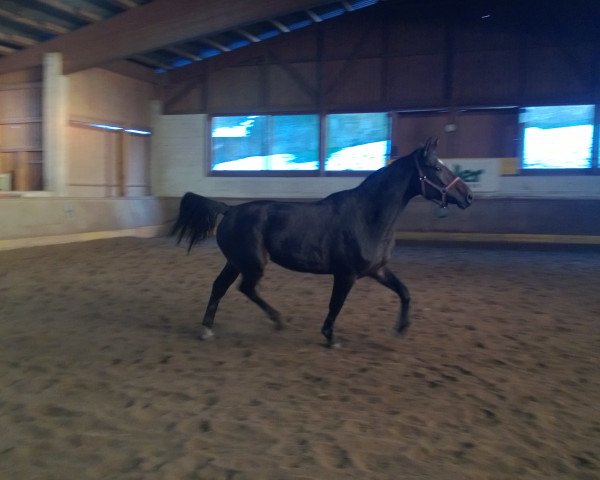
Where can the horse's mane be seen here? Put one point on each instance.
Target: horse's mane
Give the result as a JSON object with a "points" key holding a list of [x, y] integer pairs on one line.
{"points": [[391, 173]]}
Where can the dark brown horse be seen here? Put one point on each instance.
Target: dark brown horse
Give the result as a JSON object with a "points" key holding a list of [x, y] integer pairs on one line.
{"points": [[349, 234]]}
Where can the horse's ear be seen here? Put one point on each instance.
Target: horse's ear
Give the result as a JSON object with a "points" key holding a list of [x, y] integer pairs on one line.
{"points": [[430, 147]]}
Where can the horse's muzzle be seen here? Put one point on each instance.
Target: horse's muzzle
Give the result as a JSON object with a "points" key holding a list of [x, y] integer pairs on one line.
{"points": [[469, 198], [464, 195]]}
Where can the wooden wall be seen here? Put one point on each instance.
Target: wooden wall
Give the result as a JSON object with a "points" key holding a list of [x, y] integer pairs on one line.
{"points": [[388, 58], [101, 162], [20, 129]]}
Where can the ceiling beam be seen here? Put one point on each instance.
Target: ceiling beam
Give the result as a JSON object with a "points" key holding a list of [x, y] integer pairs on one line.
{"points": [[183, 53], [134, 70], [151, 62], [46, 27], [219, 46], [155, 25], [4, 50], [247, 35], [18, 40], [279, 26], [76, 12], [125, 4], [313, 16], [347, 6]]}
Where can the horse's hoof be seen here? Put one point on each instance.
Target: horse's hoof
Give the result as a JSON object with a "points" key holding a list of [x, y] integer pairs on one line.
{"points": [[402, 329], [277, 326], [206, 334], [333, 344]]}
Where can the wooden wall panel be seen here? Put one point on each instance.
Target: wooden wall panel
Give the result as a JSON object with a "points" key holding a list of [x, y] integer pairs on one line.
{"points": [[20, 130], [25, 169], [299, 47], [21, 173], [416, 38], [87, 155], [477, 134], [285, 91], [559, 73], [98, 159], [20, 101], [235, 88], [7, 165], [493, 75], [107, 163], [136, 165], [416, 81], [35, 173], [93, 161], [102, 95], [365, 39], [420, 58], [411, 130], [29, 75], [21, 136], [486, 134], [355, 83], [483, 36], [184, 98]]}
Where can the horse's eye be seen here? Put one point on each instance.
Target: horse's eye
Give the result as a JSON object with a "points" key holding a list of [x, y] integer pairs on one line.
{"points": [[438, 169]]}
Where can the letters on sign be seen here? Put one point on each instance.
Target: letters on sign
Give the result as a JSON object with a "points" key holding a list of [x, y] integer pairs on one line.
{"points": [[481, 174]]}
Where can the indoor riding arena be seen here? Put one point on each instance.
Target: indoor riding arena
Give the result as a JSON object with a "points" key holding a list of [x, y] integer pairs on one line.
{"points": [[388, 268]]}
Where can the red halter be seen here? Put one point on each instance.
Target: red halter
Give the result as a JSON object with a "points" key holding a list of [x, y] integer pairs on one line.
{"points": [[443, 189]]}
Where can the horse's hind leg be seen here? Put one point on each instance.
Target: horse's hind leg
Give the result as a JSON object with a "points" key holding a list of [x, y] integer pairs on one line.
{"points": [[220, 286], [248, 287], [387, 278]]}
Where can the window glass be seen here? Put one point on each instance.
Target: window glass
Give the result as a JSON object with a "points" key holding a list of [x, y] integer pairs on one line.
{"points": [[558, 137], [357, 141], [238, 143], [295, 142], [259, 142]]}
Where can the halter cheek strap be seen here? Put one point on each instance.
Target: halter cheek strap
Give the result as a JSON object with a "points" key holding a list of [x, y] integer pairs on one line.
{"points": [[443, 189]]}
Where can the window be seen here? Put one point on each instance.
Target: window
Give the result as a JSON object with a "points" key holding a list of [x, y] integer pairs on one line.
{"points": [[262, 143], [265, 142], [558, 137], [357, 141]]}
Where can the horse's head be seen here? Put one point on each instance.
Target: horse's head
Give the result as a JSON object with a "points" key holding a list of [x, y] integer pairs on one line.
{"points": [[437, 182]]}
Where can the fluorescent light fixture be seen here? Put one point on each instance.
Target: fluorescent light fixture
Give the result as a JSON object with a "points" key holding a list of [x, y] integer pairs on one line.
{"points": [[138, 132], [103, 126]]}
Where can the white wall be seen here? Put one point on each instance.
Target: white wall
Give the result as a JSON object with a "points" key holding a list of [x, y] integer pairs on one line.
{"points": [[49, 220], [179, 165], [560, 186]]}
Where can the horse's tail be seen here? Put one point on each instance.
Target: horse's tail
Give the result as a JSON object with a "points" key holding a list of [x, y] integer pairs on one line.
{"points": [[197, 218]]}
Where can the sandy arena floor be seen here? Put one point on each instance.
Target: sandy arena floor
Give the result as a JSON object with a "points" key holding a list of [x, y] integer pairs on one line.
{"points": [[101, 376]]}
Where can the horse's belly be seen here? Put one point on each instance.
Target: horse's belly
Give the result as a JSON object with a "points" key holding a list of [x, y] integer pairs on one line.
{"points": [[298, 264], [300, 256]]}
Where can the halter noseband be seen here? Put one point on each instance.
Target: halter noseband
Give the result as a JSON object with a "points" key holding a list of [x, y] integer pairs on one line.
{"points": [[443, 189]]}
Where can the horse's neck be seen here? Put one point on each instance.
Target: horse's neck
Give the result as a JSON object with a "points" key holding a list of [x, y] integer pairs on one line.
{"points": [[386, 193]]}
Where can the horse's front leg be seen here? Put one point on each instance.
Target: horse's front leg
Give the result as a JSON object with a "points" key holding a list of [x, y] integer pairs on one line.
{"points": [[342, 284], [387, 278]]}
